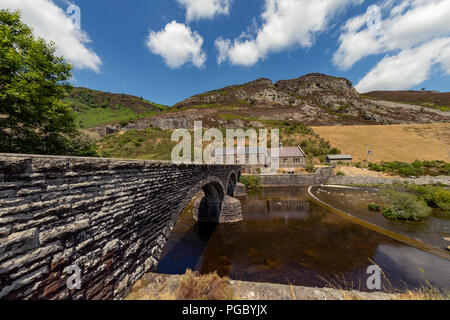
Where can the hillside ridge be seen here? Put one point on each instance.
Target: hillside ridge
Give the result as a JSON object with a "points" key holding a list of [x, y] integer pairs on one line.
{"points": [[313, 99]]}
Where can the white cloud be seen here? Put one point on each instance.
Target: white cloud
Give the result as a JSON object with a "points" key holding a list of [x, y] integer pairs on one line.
{"points": [[205, 9], [408, 68], [177, 44], [285, 23], [52, 24], [414, 33], [407, 24]]}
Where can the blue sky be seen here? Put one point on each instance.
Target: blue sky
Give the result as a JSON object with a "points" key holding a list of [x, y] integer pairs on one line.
{"points": [[376, 44]]}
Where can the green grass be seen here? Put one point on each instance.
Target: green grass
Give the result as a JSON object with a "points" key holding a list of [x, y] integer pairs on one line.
{"points": [[91, 117], [149, 144]]}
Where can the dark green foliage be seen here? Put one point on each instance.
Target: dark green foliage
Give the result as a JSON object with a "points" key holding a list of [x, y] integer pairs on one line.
{"points": [[435, 197], [374, 207], [417, 168], [33, 82], [404, 206], [251, 182]]}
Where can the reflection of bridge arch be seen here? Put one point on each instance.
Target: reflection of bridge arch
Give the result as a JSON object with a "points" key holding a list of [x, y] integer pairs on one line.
{"points": [[277, 209]]}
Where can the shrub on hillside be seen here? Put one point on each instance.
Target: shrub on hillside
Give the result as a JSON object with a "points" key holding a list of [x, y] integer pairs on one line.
{"points": [[417, 168]]}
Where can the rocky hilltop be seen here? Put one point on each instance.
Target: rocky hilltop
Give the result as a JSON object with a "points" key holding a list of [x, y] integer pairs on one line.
{"points": [[313, 99]]}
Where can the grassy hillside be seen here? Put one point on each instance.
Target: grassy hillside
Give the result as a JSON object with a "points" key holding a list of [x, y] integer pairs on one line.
{"points": [[156, 144], [405, 143], [96, 107], [429, 99], [149, 144]]}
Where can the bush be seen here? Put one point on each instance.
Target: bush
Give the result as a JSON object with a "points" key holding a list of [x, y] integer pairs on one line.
{"points": [[204, 287], [251, 182], [374, 207], [310, 168], [404, 206], [417, 168], [340, 173], [435, 197]]}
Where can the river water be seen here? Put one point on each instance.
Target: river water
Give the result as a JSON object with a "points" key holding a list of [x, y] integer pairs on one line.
{"points": [[287, 239]]}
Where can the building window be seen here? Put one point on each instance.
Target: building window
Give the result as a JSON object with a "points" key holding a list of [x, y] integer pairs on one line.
{"points": [[285, 161], [297, 160]]}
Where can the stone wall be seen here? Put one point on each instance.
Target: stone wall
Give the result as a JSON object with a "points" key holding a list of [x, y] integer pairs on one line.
{"points": [[314, 179], [111, 218]]}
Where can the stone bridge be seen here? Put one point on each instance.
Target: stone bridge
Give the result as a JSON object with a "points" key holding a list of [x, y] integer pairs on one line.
{"points": [[110, 218]]}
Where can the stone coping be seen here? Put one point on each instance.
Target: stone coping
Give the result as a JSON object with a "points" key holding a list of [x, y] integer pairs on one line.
{"points": [[155, 286]]}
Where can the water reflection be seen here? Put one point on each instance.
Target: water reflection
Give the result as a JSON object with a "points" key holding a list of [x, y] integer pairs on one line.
{"points": [[286, 239]]}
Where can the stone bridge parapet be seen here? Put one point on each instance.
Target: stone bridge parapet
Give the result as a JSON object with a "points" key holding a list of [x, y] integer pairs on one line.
{"points": [[111, 218]]}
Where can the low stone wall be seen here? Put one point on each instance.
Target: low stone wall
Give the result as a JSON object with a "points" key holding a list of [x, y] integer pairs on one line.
{"points": [[110, 218], [314, 179], [347, 180], [162, 286]]}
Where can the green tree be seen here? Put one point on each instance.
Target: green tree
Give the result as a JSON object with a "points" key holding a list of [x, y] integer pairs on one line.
{"points": [[33, 82]]}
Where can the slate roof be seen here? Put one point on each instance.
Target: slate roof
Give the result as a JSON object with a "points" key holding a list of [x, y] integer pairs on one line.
{"points": [[339, 157], [291, 152]]}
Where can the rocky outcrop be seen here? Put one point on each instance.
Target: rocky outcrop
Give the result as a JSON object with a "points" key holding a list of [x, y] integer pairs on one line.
{"points": [[317, 83], [314, 99]]}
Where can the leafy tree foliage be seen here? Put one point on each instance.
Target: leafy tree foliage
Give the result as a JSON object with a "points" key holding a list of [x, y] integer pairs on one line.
{"points": [[33, 82]]}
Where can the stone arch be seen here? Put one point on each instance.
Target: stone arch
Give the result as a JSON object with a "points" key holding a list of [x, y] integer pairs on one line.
{"points": [[231, 183], [208, 183], [208, 208]]}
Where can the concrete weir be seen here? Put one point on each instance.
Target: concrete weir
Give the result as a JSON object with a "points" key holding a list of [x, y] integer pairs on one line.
{"points": [[103, 222]]}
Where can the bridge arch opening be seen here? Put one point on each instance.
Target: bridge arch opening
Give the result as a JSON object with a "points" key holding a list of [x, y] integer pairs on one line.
{"points": [[210, 206], [232, 180]]}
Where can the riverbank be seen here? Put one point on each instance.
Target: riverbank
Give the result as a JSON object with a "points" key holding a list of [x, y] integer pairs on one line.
{"points": [[402, 232], [370, 181], [154, 286]]}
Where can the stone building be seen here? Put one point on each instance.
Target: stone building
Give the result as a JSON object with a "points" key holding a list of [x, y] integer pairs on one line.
{"points": [[336, 158], [290, 157], [253, 156]]}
